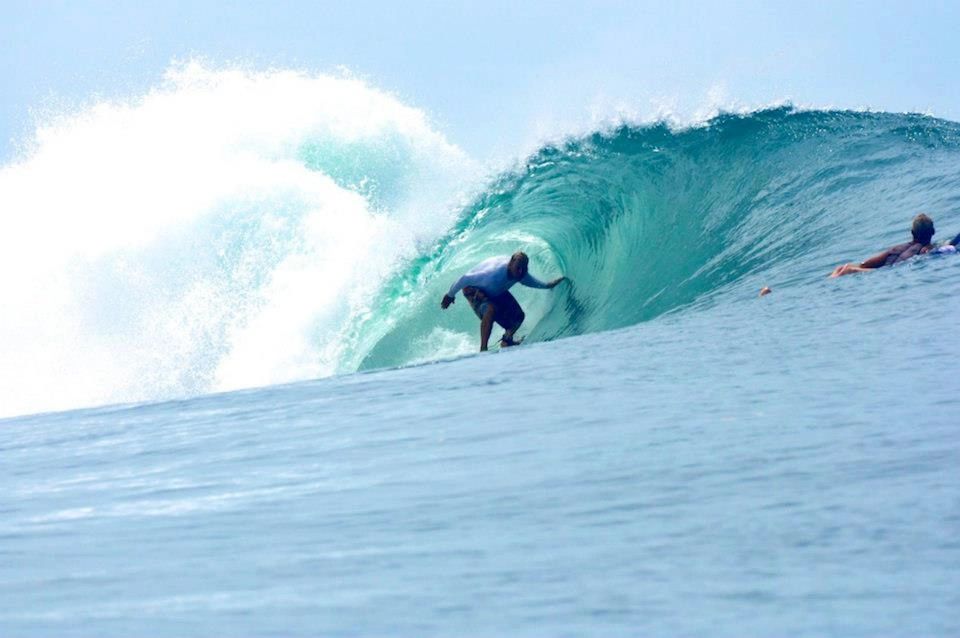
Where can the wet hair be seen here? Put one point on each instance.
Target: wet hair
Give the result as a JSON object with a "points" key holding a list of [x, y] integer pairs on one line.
{"points": [[922, 229]]}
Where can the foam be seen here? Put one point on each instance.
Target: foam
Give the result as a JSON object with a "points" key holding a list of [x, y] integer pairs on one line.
{"points": [[194, 238]]}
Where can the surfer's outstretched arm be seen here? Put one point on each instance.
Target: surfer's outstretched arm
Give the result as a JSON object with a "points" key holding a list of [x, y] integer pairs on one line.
{"points": [[872, 263], [469, 279], [877, 261], [532, 282], [847, 269], [451, 295]]}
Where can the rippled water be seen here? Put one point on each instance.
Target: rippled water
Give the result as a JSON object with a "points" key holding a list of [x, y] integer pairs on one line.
{"points": [[784, 465]]}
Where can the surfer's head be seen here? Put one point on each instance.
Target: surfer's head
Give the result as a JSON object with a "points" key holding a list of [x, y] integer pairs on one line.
{"points": [[922, 229], [518, 265]]}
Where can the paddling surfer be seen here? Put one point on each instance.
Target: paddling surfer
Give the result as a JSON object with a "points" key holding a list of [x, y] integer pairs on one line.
{"points": [[922, 231]]}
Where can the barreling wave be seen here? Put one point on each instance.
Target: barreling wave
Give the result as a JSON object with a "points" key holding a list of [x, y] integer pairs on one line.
{"points": [[233, 229], [646, 220]]}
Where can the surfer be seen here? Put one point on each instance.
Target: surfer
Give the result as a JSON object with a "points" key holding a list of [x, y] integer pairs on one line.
{"points": [[922, 231], [487, 287]]}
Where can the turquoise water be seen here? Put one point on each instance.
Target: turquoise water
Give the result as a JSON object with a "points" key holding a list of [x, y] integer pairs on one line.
{"points": [[776, 466], [646, 220], [668, 454]]}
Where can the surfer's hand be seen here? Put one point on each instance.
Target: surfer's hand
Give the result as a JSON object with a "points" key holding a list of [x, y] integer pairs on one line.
{"points": [[556, 281], [447, 300]]}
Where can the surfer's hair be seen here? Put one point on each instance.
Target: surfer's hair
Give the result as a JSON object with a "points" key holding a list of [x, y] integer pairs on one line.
{"points": [[519, 260], [922, 229]]}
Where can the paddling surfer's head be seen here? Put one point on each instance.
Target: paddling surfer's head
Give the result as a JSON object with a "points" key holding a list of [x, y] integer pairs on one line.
{"points": [[519, 262], [922, 229]]}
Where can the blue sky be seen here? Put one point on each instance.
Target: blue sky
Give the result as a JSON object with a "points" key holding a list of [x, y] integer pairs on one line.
{"points": [[496, 75]]}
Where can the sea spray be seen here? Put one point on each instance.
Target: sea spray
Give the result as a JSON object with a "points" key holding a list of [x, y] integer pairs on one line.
{"points": [[219, 232]]}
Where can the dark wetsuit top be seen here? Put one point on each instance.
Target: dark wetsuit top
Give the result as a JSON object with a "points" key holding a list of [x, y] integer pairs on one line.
{"points": [[903, 252]]}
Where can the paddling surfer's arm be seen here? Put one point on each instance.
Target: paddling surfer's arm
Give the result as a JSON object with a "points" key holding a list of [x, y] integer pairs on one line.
{"points": [[877, 261]]}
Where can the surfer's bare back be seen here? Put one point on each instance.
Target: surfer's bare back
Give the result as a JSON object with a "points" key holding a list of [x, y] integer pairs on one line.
{"points": [[922, 231], [487, 288]]}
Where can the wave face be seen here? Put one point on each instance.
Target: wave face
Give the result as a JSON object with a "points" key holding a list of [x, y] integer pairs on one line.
{"points": [[233, 229], [646, 220]]}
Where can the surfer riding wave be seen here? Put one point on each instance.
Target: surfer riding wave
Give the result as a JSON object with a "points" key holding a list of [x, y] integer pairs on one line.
{"points": [[487, 287]]}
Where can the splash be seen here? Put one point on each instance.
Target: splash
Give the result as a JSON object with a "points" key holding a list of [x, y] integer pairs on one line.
{"points": [[219, 232]]}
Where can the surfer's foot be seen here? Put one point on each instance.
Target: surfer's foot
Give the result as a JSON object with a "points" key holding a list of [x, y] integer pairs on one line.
{"points": [[506, 342]]}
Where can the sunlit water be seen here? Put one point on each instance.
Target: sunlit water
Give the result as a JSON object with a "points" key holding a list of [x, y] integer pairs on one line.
{"points": [[784, 465]]}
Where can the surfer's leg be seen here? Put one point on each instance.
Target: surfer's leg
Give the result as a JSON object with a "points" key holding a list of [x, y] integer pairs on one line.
{"points": [[486, 326], [509, 315], [485, 310]]}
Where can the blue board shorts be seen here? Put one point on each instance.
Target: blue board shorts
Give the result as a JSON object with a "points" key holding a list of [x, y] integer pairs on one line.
{"points": [[507, 312]]}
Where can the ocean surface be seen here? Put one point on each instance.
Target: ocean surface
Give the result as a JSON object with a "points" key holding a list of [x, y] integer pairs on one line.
{"points": [[231, 405]]}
